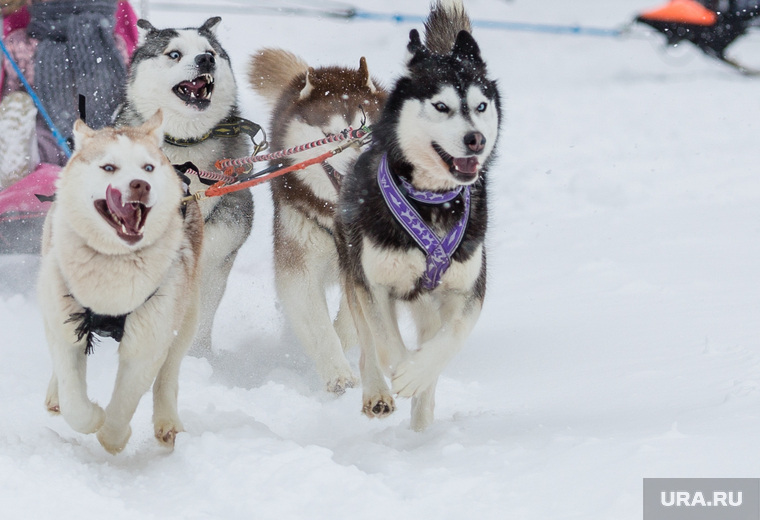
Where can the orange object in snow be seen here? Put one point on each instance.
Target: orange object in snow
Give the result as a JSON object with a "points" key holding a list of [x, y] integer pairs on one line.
{"points": [[683, 11]]}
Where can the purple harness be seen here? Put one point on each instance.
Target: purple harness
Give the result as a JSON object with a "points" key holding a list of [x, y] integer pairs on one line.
{"points": [[439, 250]]}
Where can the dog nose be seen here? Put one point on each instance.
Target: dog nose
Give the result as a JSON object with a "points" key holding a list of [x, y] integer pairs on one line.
{"points": [[205, 61], [475, 141], [139, 191]]}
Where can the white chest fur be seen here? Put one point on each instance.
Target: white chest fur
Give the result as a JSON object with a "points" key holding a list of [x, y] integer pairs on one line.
{"points": [[94, 278], [400, 270]]}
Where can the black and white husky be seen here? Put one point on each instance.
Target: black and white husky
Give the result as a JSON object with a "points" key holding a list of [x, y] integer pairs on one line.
{"points": [[412, 215], [187, 74]]}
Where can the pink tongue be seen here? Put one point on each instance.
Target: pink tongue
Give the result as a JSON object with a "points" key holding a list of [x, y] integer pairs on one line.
{"points": [[127, 213], [466, 164], [194, 85]]}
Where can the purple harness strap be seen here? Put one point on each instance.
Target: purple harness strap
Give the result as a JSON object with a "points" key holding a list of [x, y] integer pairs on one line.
{"points": [[439, 250]]}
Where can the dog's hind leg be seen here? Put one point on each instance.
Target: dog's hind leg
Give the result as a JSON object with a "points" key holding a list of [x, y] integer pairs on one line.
{"points": [[344, 325]]}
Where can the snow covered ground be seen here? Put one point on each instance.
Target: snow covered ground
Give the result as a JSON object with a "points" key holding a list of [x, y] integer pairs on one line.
{"points": [[620, 337]]}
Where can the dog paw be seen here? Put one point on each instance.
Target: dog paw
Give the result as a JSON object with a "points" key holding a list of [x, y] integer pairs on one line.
{"points": [[52, 406], [413, 376], [167, 438], [89, 421], [112, 440], [51, 399], [166, 433], [379, 406], [339, 385]]}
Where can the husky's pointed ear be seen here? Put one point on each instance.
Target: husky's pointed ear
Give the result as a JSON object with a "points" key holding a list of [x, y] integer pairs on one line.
{"points": [[306, 90], [154, 127], [211, 24], [466, 47], [414, 48], [82, 132], [144, 28], [366, 79]]}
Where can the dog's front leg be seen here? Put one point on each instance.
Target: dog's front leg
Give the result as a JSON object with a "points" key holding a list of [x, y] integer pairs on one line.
{"points": [[423, 406], [421, 369], [138, 366], [67, 390], [301, 289], [70, 394], [166, 421], [381, 344]]}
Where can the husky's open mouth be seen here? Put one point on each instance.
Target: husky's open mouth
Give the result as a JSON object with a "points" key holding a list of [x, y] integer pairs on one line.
{"points": [[464, 169], [127, 218], [196, 92]]}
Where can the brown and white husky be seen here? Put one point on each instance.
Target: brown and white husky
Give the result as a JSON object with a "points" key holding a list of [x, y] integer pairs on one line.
{"points": [[309, 104]]}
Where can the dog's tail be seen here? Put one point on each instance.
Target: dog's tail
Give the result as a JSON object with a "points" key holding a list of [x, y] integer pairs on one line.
{"points": [[446, 19], [270, 71]]}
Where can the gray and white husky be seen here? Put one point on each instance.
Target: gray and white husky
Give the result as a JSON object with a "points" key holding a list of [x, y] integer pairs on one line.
{"points": [[412, 215], [309, 104], [187, 74]]}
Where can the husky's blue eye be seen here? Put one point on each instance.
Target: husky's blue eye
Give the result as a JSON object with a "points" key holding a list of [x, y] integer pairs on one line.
{"points": [[481, 107], [441, 107], [175, 55], [148, 167], [110, 168]]}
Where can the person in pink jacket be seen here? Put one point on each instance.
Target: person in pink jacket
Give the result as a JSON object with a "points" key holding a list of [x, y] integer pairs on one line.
{"points": [[64, 49]]}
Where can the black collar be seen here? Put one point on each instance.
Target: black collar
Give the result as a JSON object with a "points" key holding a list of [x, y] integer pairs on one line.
{"points": [[232, 126]]}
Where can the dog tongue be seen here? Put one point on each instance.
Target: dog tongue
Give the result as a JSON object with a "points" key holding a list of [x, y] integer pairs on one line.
{"points": [[194, 85], [127, 213], [466, 164]]}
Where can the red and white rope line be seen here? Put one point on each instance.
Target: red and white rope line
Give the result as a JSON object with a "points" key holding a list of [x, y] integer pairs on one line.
{"points": [[348, 133], [223, 164]]}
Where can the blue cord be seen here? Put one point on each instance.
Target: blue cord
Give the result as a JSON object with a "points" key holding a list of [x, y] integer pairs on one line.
{"points": [[490, 24], [349, 12], [58, 137]]}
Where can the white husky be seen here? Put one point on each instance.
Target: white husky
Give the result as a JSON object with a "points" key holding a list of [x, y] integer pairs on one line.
{"points": [[119, 259]]}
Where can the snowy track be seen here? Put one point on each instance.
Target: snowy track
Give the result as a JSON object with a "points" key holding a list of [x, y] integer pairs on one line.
{"points": [[620, 337]]}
